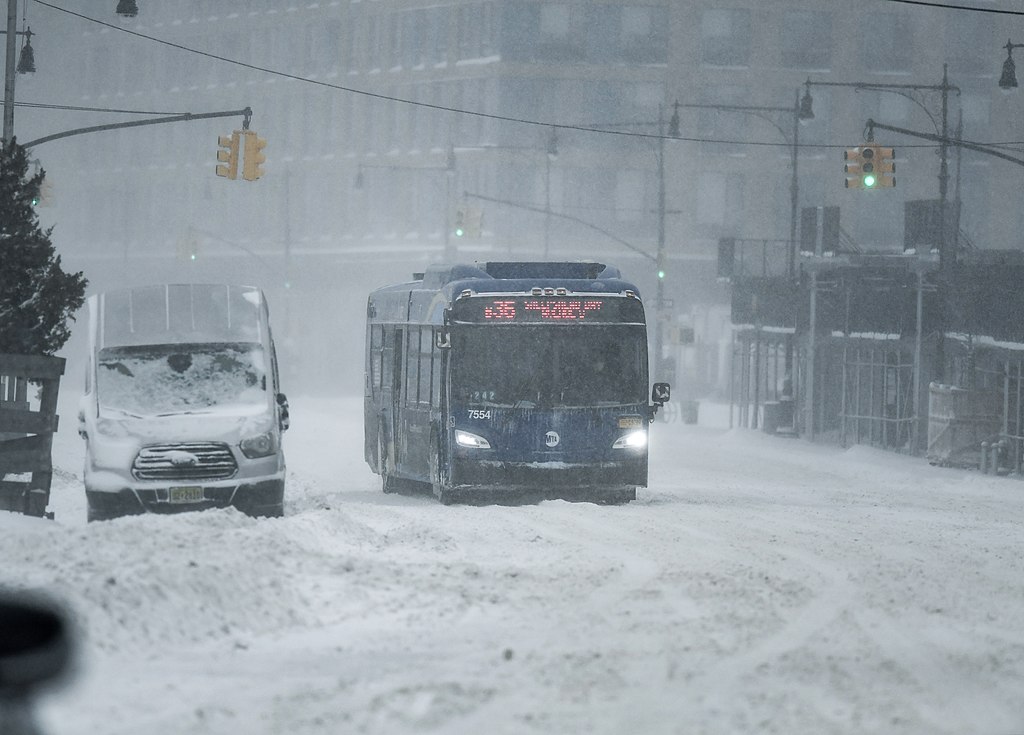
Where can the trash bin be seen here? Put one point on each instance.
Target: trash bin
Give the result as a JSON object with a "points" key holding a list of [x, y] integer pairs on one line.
{"points": [[777, 417]]}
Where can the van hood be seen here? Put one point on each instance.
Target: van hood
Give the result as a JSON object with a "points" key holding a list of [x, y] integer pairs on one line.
{"points": [[220, 425]]}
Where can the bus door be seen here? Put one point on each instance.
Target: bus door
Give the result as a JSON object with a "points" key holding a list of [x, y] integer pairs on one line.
{"points": [[416, 400]]}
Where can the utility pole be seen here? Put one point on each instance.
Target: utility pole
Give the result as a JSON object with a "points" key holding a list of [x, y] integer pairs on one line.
{"points": [[9, 70]]}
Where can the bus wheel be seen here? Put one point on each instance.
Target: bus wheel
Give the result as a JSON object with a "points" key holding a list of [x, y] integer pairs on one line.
{"points": [[436, 484], [445, 495]]}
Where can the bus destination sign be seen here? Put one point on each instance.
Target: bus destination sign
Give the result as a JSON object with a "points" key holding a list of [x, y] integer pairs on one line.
{"points": [[563, 309]]}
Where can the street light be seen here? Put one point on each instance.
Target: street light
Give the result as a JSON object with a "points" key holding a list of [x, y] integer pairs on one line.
{"points": [[552, 154], [448, 168], [1008, 79], [660, 258], [26, 64], [801, 112], [127, 8]]}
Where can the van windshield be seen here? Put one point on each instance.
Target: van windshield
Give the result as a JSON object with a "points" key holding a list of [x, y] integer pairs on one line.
{"points": [[161, 380]]}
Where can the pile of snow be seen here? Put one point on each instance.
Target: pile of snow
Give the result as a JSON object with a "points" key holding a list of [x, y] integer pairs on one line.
{"points": [[759, 585]]}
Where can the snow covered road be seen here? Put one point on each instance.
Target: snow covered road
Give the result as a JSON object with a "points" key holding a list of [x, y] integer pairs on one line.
{"points": [[759, 585]]}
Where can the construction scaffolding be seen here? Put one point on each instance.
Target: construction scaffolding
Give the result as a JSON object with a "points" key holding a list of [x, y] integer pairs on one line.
{"points": [[760, 381], [878, 394]]}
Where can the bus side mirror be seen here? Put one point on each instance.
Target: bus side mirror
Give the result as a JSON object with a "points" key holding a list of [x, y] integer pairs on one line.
{"points": [[442, 339], [660, 394]]}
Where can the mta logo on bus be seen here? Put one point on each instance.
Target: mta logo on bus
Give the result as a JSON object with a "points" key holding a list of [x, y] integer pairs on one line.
{"points": [[541, 309]]}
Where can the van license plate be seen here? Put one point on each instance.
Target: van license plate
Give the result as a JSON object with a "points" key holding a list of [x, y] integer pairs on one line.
{"points": [[189, 494]]}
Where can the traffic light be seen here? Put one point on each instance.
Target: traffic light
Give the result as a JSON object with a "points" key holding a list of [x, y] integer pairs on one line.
{"points": [[253, 159], [228, 155], [885, 167], [860, 167], [45, 198], [870, 166], [460, 220], [852, 168], [188, 248], [473, 222]]}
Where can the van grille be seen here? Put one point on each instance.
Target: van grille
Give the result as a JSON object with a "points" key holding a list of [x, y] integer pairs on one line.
{"points": [[189, 461]]}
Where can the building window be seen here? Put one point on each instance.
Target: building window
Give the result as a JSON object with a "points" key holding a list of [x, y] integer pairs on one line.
{"points": [[435, 46], [560, 33], [476, 30], [630, 196], [968, 45], [554, 23], [889, 47], [375, 42], [719, 199], [725, 37], [644, 34], [722, 124], [807, 39], [413, 34], [977, 109]]}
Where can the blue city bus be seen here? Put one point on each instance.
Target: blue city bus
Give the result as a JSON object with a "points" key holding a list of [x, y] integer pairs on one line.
{"points": [[510, 379]]}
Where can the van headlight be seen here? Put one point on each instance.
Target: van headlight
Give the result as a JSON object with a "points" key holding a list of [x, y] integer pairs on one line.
{"points": [[260, 445], [465, 439], [632, 440]]}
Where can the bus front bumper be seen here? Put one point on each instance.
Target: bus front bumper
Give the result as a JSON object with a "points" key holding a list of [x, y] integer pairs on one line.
{"points": [[549, 477]]}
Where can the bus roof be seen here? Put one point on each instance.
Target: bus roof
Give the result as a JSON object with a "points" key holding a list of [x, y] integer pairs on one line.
{"points": [[425, 298]]}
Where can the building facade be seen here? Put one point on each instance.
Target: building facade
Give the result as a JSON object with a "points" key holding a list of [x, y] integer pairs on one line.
{"points": [[547, 126]]}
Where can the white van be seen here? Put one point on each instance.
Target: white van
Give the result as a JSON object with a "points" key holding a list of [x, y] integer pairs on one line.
{"points": [[182, 407]]}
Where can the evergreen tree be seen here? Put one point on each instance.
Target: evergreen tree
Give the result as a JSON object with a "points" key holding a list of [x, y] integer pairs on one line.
{"points": [[37, 298]]}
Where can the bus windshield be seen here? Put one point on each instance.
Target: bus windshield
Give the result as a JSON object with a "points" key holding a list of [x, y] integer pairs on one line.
{"points": [[550, 367]]}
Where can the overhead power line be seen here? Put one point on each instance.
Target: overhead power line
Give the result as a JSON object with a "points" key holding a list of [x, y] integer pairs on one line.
{"points": [[949, 6], [373, 95]]}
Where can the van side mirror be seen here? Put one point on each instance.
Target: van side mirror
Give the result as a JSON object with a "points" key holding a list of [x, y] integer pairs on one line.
{"points": [[284, 420], [442, 338]]}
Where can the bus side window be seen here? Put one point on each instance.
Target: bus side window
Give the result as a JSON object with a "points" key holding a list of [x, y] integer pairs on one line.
{"points": [[436, 356], [426, 345], [389, 347], [376, 355], [411, 364]]}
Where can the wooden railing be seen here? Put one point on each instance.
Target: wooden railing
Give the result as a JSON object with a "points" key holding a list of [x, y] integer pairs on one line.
{"points": [[28, 419]]}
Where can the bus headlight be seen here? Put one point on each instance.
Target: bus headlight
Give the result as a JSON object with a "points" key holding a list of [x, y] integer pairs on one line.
{"points": [[465, 439], [261, 445], [632, 440]]}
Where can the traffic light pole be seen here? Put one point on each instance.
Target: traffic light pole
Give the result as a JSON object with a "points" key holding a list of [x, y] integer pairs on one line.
{"points": [[977, 147], [186, 117], [941, 128]]}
